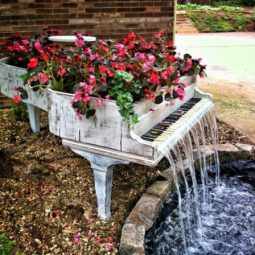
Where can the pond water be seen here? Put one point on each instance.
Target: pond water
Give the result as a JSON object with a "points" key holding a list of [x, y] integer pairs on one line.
{"points": [[227, 221], [207, 214]]}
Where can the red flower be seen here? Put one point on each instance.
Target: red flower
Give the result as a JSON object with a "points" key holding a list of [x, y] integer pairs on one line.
{"points": [[154, 78], [17, 99], [33, 63]]}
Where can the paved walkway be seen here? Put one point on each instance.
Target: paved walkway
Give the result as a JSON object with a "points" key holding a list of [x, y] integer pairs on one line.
{"points": [[228, 56], [230, 63]]}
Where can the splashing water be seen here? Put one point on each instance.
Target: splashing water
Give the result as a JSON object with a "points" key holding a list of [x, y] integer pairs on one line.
{"points": [[207, 219]]}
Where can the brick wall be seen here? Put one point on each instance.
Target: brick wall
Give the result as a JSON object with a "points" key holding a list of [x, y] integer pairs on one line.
{"points": [[108, 19], [103, 18]]}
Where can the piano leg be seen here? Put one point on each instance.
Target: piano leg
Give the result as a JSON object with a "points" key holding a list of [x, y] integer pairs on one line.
{"points": [[34, 117], [102, 168]]}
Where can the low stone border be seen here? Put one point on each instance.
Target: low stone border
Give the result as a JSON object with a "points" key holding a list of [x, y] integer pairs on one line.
{"points": [[147, 208]]}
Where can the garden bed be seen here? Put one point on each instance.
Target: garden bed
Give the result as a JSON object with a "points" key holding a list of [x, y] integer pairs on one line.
{"points": [[220, 21], [47, 196]]}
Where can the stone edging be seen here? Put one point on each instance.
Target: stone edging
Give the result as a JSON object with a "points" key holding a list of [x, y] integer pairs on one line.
{"points": [[147, 208]]}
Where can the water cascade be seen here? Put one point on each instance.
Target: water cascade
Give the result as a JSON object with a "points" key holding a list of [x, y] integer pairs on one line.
{"points": [[193, 227]]}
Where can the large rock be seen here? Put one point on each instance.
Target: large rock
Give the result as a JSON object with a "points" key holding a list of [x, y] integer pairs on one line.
{"points": [[227, 152], [132, 240], [160, 189], [245, 150], [145, 211]]}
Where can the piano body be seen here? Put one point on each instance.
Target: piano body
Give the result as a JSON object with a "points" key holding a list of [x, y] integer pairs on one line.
{"points": [[106, 140]]}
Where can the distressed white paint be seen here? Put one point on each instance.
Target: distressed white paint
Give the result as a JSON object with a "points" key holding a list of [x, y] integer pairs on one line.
{"points": [[10, 79], [102, 168], [34, 117]]}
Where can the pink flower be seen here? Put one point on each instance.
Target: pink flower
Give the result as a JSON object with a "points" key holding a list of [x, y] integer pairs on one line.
{"points": [[107, 246], [151, 59], [33, 62], [79, 43], [166, 74], [79, 36], [92, 80], [141, 56], [61, 72], [87, 51], [180, 92], [38, 45], [43, 78], [119, 46], [17, 99], [159, 34], [176, 81], [76, 238], [93, 57], [146, 67], [25, 41], [99, 102]]}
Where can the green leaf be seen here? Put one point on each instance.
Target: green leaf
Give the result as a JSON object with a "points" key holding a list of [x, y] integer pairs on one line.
{"points": [[134, 119], [25, 77], [124, 75]]}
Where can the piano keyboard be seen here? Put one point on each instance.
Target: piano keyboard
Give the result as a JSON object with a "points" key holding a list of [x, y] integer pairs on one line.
{"points": [[171, 119], [176, 131]]}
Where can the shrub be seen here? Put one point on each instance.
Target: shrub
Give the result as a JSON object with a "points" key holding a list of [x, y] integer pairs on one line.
{"points": [[198, 7], [6, 245], [19, 111]]}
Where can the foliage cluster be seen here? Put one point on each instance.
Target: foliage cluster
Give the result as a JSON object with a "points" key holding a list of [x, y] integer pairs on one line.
{"points": [[219, 22], [198, 7], [248, 3], [19, 111], [7, 246]]}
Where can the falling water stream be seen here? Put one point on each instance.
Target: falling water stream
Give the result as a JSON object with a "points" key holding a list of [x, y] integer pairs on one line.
{"points": [[205, 215]]}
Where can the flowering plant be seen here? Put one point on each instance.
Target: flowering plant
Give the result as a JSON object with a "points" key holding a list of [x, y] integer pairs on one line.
{"points": [[20, 49], [126, 71]]}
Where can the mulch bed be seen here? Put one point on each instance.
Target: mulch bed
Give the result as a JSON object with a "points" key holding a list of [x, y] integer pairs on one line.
{"points": [[47, 196]]}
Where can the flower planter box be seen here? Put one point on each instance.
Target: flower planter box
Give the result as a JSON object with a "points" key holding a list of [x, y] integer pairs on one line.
{"points": [[10, 79]]}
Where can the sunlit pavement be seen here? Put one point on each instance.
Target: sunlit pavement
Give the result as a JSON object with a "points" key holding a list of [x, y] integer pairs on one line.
{"points": [[228, 56]]}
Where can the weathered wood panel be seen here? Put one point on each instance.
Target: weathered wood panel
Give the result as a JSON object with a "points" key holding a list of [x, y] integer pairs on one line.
{"points": [[10, 79], [104, 129]]}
